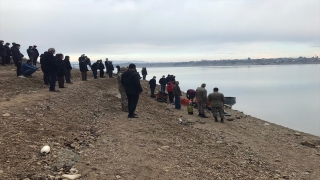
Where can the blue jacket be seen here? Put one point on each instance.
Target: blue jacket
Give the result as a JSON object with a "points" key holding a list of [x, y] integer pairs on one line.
{"points": [[25, 66]]}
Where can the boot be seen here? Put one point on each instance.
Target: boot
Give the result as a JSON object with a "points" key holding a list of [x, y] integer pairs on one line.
{"points": [[221, 120], [215, 119]]}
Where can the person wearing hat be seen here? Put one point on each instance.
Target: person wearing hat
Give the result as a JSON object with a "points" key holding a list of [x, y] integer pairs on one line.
{"points": [[8, 51], [101, 69], [163, 83], [216, 100], [131, 82], [153, 84], [17, 57], [201, 95], [124, 100], [31, 53], [3, 53], [110, 69], [36, 55]]}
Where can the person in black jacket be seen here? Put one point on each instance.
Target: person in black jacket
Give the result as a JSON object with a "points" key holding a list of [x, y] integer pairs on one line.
{"points": [[101, 68], [36, 55], [83, 68], [17, 58], [144, 73], [106, 63], [153, 84], [118, 69], [163, 83], [3, 53], [31, 53], [52, 67], [131, 82], [62, 70], [8, 51], [94, 68], [68, 69], [46, 74], [110, 69]]}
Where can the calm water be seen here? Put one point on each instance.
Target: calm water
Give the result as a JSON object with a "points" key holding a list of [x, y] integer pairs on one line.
{"points": [[287, 95]]}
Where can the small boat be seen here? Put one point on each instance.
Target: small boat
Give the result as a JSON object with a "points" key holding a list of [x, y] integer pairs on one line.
{"points": [[230, 101]]}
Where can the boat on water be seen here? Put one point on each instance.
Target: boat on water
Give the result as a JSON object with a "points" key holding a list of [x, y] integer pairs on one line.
{"points": [[230, 101]]}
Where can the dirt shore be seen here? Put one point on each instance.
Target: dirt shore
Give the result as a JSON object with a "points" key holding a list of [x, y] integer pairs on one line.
{"points": [[86, 130]]}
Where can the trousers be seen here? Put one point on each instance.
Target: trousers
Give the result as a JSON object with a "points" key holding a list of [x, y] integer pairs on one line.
{"points": [[177, 102], [152, 91], [68, 75], [53, 79], [132, 103], [201, 107], [94, 74], [61, 81], [18, 65], [171, 97], [215, 109], [101, 72], [84, 76]]}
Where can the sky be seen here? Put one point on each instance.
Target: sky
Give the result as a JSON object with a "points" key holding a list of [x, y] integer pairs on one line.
{"points": [[164, 30]]}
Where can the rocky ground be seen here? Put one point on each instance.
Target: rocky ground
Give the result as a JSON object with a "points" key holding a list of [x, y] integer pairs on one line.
{"points": [[90, 135]]}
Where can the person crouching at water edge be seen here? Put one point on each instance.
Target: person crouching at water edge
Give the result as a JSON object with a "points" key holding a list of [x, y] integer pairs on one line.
{"points": [[131, 82], [201, 95], [124, 100], [177, 94], [27, 69], [216, 100]]}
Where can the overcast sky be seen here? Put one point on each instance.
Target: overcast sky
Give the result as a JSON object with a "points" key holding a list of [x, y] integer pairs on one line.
{"points": [[164, 30]]}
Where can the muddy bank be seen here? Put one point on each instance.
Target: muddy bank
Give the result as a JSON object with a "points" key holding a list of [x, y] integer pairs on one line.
{"points": [[86, 130]]}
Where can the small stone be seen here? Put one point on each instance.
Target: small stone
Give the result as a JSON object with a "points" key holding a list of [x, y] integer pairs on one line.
{"points": [[238, 117], [297, 134], [1, 172], [8, 99], [6, 115], [148, 117], [219, 142], [230, 119], [306, 173], [266, 124], [118, 177], [142, 145], [165, 147], [277, 160]]}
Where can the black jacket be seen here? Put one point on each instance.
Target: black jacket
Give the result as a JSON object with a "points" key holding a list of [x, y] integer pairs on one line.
{"points": [[131, 82], [31, 52], [50, 63], [62, 67], [94, 66], [83, 66], [144, 72], [3, 50], [152, 83], [110, 67], [163, 81], [16, 55], [36, 52], [118, 68], [8, 50], [101, 66], [68, 64]]}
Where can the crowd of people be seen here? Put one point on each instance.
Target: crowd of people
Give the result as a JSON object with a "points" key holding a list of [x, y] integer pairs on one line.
{"points": [[57, 67]]}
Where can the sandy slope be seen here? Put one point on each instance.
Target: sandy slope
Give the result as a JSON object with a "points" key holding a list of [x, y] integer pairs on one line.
{"points": [[85, 128]]}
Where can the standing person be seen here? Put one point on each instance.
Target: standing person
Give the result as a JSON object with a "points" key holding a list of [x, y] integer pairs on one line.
{"points": [[131, 82], [36, 55], [216, 100], [62, 70], [3, 53], [177, 94], [153, 84], [101, 69], [170, 91], [17, 58], [68, 69], [52, 68], [110, 69], [106, 63], [44, 68], [168, 78], [31, 53], [94, 68], [83, 69], [8, 52], [163, 82], [144, 73], [191, 94], [124, 100], [118, 69], [27, 69], [201, 95]]}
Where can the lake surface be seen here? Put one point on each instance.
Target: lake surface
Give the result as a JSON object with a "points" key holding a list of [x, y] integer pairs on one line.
{"points": [[288, 95]]}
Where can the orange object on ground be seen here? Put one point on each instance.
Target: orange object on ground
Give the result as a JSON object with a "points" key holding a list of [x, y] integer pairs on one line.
{"points": [[184, 101], [196, 101]]}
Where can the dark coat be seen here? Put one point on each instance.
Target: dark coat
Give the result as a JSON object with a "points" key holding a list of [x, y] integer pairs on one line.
{"points": [[3, 50], [131, 82], [163, 81], [8, 50], [83, 66], [110, 67], [31, 52], [62, 67], [101, 66], [95, 66], [152, 83], [144, 72], [16, 55], [36, 53], [68, 64], [118, 68], [50, 63]]}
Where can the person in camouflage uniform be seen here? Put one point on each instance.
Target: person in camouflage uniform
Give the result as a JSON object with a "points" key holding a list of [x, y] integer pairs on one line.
{"points": [[216, 99], [201, 95], [124, 100]]}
